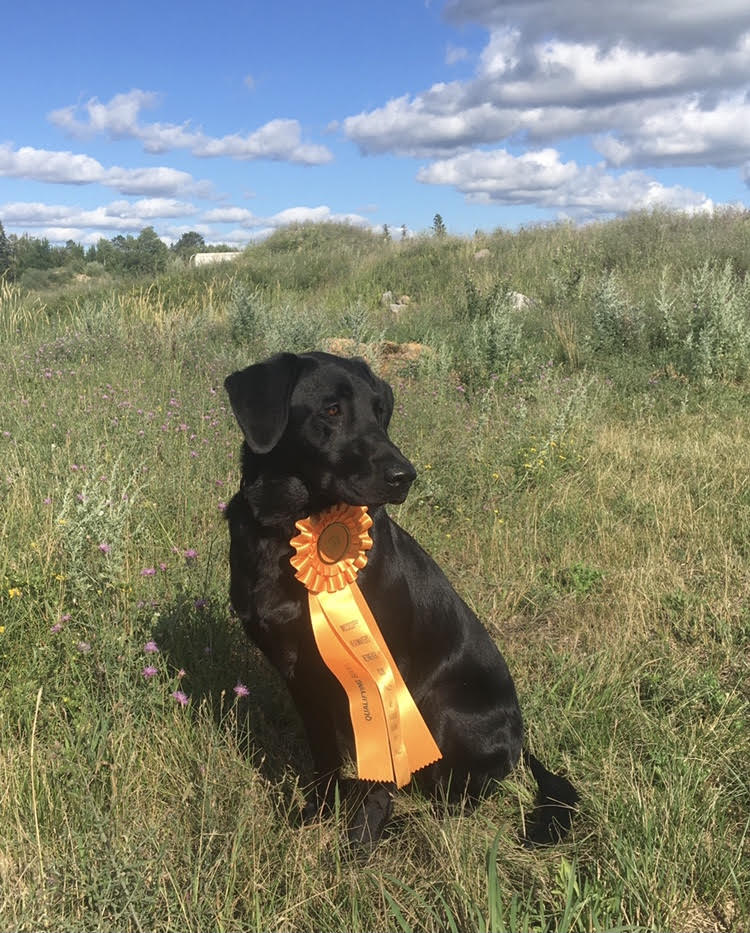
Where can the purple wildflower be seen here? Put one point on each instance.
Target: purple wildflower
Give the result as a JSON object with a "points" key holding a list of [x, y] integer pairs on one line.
{"points": [[151, 648], [149, 671], [84, 647], [148, 572], [241, 690], [104, 548], [190, 554], [181, 697]]}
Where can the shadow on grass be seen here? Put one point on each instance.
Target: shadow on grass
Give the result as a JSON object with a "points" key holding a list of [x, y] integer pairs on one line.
{"points": [[205, 640]]}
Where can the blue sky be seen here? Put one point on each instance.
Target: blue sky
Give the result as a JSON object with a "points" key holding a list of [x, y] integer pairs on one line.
{"points": [[233, 119]]}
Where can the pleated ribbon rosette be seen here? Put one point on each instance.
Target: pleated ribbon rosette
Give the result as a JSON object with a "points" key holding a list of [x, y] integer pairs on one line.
{"points": [[391, 739]]}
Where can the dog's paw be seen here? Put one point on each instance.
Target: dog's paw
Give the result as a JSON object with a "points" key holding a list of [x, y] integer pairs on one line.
{"points": [[368, 818]]}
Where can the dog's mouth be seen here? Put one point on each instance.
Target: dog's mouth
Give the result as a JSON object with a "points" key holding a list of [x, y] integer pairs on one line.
{"points": [[391, 489]]}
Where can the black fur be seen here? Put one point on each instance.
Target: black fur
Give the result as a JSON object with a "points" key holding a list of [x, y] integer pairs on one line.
{"points": [[315, 429]]}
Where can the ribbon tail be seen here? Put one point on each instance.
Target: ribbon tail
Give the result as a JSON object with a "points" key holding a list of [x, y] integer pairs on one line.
{"points": [[421, 747], [365, 708]]}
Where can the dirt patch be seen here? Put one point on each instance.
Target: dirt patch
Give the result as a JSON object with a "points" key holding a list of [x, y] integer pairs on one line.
{"points": [[386, 357]]}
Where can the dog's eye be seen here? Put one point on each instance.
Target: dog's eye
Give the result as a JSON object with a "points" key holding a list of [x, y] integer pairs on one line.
{"points": [[333, 410]]}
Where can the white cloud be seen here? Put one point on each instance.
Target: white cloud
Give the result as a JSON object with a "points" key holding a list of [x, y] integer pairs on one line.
{"points": [[421, 127], [116, 119], [581, 74], [542, 179], [241, 237], [455, 54], [63, 234], [277, 140], [232, 215], [291, 215], [688, 134], [45, 165], [557, 70], [117, 216], [669, 23], [72, 169]]}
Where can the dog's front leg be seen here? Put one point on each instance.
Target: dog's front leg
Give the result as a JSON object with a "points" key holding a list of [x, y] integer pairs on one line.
{"points": [[369, 808], [315, 710]]}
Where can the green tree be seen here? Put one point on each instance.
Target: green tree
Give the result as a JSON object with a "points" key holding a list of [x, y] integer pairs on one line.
{"points": [[6, 253], [151, 253], [188, 245], [74, 255], [438, 227]]}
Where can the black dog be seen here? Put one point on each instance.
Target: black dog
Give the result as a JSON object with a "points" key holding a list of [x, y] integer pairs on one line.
{"points": [[315, 429]]}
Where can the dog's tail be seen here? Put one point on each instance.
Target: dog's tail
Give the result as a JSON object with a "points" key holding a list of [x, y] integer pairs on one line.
{"points": [[554, 808]]}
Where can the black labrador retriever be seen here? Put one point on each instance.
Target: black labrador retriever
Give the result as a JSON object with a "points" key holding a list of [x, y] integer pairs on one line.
{"points": [[315, 428]]}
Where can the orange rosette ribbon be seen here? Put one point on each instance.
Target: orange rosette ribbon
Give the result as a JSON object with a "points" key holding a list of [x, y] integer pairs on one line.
{"points": [[390, 737]]}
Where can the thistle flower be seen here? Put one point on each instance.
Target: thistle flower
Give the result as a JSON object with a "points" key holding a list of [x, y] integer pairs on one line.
{"points": [[181, 697]]}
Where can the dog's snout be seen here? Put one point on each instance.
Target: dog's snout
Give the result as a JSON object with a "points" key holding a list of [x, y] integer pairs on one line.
{"points": [[400, 474]]}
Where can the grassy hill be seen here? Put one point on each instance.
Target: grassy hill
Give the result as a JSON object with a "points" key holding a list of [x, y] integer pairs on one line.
{"points": [[583, 480]]}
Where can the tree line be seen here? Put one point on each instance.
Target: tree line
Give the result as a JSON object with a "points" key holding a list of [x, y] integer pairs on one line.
{"points": [[31, 259]]}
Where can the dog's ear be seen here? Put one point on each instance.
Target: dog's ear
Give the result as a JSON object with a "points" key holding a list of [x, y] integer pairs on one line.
{"points": [[260, 399]]}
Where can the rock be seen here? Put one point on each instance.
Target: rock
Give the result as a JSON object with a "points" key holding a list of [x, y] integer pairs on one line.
{"points": [[520, 302]]}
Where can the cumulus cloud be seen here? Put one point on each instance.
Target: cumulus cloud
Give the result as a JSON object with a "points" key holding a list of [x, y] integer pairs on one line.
{"points": [[291, 215], [661, 84], [715, 133], [422, 127], [73, 169], [668, 23], [117, 216], [231, 215], [542, 178], [119, 118]]}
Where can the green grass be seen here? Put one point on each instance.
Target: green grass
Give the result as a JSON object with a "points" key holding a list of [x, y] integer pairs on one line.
{"points": [[583, 480]]}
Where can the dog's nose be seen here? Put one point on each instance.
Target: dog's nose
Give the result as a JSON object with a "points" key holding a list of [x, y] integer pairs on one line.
{"points": [[400, 474]]}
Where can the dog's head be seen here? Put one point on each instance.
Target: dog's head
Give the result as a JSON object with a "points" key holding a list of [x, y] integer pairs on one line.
{"points": [[322, 419]]}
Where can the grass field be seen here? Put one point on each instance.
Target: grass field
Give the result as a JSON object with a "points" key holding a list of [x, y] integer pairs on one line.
{"points": [[584, 480]]}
